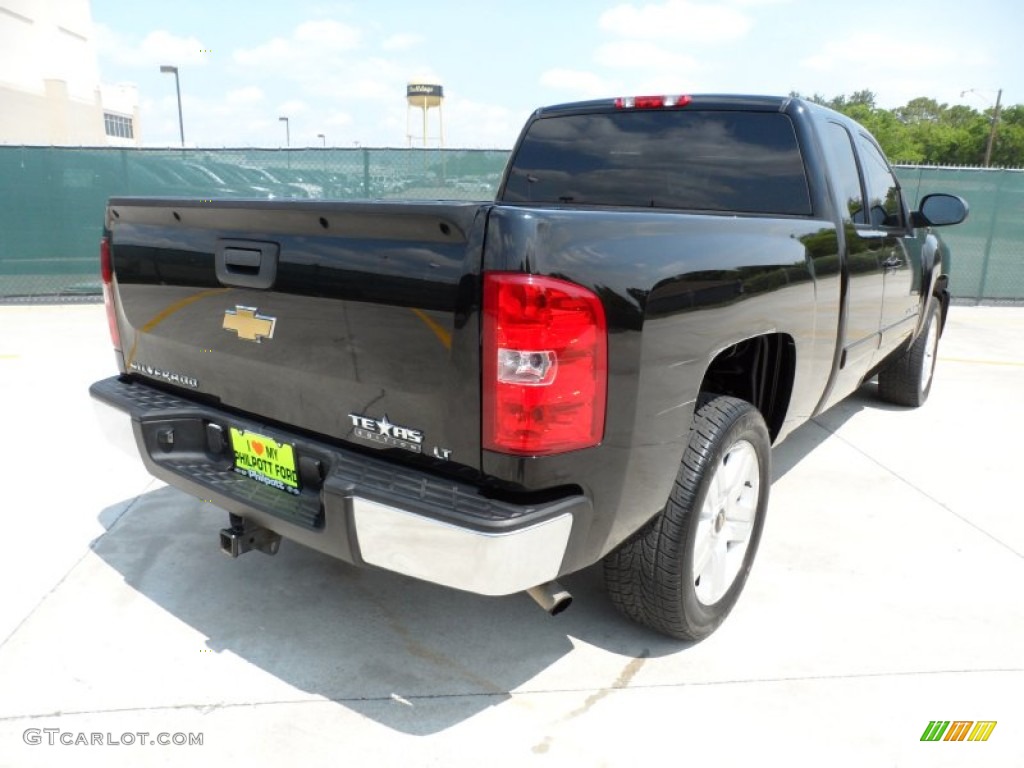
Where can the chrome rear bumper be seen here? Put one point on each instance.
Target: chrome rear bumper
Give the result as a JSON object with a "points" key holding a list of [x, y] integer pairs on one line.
{"points": [[359, 508], [488, 563]]}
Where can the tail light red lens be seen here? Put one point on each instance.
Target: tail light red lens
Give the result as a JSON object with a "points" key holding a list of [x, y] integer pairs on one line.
{"points": [[545, 365], [107, 274]]}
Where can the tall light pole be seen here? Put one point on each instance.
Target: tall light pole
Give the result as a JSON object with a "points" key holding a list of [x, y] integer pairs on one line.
{"points": [[287, 131], [322, 138], [995, 122], [166, 69], [992, 131]]}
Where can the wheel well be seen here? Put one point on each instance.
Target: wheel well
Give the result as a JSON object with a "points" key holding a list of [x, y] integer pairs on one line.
{"points": [[758, 370]]}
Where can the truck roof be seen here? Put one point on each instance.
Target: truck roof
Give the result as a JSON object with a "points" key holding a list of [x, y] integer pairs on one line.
{"points": [[703, 101]]}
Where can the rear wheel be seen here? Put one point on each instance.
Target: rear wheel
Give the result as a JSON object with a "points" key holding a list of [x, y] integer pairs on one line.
{"points": [[907, 380], [682, 573]]}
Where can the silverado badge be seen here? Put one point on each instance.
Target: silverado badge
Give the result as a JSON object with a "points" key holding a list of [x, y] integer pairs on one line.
{"points": [[172, 377], [249, 324]]}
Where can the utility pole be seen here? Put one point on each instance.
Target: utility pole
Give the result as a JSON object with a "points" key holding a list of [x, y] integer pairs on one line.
{"points": [[992, 131]]}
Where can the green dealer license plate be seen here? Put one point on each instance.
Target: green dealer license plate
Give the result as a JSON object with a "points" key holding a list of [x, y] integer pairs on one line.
{"points": [[265, 460]]}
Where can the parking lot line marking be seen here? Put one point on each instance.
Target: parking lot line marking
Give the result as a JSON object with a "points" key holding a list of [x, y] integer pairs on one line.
{"points": [[981, 362], [917, 489]]}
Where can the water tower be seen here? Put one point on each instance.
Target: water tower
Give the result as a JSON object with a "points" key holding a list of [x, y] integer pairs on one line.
{"points": [[424, 97]]}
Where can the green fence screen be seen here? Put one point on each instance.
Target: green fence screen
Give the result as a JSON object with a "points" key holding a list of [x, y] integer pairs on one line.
{"points": [[986, 251], [52, 201]]}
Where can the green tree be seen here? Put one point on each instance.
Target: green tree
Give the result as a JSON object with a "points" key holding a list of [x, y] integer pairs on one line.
{"points": [[927, 132], [1008, 150], [920, 110]]}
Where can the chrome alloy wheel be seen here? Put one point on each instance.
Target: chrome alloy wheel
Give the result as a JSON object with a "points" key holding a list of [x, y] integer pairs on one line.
{"points": [[726, 522]]}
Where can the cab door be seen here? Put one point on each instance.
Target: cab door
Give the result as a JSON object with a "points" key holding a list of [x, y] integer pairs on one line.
{"points": [[886, 232], [863, 273]]}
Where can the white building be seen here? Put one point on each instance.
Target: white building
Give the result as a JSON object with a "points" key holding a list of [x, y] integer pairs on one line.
{"points": [[50, 90]]}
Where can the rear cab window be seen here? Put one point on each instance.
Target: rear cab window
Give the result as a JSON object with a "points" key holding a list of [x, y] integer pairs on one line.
{"points": [[699, 160]]}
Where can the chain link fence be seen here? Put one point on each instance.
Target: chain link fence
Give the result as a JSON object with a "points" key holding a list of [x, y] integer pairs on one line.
{"points": [[52, 201], [986, 251]]}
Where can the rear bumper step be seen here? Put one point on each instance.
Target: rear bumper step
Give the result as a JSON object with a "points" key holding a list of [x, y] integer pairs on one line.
{"points": [[357, 508]]}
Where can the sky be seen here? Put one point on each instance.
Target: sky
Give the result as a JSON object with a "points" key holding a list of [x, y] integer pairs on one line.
{"points": [[340, 67]]}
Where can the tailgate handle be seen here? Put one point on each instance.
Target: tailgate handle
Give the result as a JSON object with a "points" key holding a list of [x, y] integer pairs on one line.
{"points": [[246, 263], [244, 260]]}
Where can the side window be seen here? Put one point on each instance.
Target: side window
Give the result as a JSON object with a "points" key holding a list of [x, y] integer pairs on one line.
{"points": [[884, 201], [845, 173]]}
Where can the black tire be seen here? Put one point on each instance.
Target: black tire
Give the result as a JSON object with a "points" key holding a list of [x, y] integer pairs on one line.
{"points": [[650, 577], [907, 379]]}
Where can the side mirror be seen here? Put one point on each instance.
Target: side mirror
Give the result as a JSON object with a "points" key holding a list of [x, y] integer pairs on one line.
{"points": [[940, 210]]}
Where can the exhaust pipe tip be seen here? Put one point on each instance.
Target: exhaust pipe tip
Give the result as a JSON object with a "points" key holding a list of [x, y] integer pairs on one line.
{"points": [[552, 597]]}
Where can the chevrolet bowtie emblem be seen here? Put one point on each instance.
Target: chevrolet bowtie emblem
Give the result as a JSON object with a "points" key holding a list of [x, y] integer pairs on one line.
{"points": [[249, 324]]}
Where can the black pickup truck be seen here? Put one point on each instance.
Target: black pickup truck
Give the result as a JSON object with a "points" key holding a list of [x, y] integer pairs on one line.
{"points": [[492, 395]]}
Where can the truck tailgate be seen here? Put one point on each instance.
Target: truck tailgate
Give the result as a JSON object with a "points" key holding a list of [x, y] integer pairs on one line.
{"points": [[355, 321]]}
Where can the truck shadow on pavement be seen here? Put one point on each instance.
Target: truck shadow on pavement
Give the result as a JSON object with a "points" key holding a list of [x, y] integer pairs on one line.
{"points": [[412, 656], [809, 436]]}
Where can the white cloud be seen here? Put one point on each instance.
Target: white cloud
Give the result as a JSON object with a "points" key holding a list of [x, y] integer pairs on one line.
{"points": [[875, 52], [865, 60], [160, 117], [340, 37], [325, 79], [576, 81], [401, 42], [314, 45], [318, 63], [377, 80], [157, 48], [338, 119], [275, 50], [680, 20], [250, 94], [293, 107], [634, 54], [477, 124]]}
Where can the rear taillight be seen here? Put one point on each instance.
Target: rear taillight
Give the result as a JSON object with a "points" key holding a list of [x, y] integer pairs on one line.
{"points": [[107, 274], [545, 366]]}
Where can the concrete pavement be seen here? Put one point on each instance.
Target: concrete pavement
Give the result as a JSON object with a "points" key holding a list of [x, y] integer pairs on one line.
{"points": [[886, 594]]}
